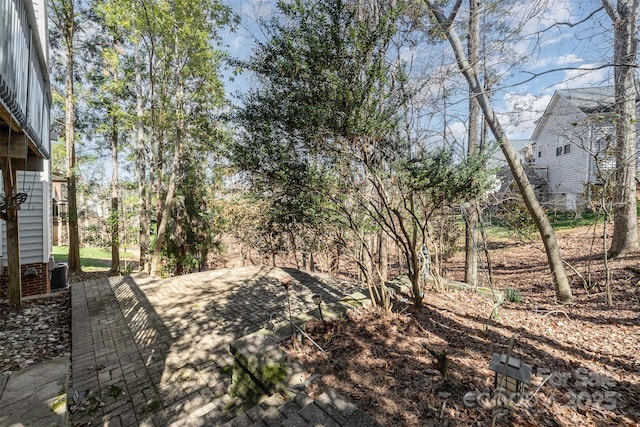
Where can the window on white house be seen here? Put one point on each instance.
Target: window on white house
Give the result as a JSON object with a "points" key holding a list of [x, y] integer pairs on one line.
{"points": [[567, 148], [539, 153], [558, 151]]}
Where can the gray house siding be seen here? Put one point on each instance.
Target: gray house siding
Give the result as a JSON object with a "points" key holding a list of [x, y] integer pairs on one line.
{"points": [[33, 219]]}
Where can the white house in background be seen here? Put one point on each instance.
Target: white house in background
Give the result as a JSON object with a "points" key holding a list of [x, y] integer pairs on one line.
{"points": [[572, 143], [497, 158]]}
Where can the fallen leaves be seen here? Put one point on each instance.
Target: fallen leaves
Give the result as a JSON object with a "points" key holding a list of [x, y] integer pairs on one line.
{"points": [[37, 331], [587, 353]]}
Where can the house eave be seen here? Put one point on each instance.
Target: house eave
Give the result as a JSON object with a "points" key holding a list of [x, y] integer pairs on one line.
{"points": [[545, 116]]}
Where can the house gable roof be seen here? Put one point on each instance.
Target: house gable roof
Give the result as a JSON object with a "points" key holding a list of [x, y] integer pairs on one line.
{"points": [[540, 123], [591, 99], [588, 100]]}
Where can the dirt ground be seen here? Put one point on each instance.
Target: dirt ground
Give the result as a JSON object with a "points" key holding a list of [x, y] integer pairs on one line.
{"points": [[585, 358]]}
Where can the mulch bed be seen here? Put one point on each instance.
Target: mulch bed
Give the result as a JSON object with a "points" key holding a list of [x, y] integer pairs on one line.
{"points": [[589, 353], [38, 330]]}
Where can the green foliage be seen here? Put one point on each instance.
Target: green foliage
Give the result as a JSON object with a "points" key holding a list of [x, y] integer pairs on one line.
{"points": [[512, 214], [321, 143], [59, 158], [322, 71], [196, 222], [512, 295], [324, 107], [445, 180], [97, 234]]}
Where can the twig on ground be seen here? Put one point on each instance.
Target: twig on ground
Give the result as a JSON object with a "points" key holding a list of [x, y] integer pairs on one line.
{"points": [[403, 309], [538, 388], [444, 404], [585, 284], [558, 311]]}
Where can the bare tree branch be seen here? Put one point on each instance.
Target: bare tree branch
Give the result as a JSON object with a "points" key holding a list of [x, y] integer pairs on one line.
{"points": [[573, 24]]}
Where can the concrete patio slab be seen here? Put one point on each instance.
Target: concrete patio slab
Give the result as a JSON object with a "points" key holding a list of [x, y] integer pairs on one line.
{"points": [[35, 396]]}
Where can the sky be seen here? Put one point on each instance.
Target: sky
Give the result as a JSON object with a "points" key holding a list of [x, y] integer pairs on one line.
{"points": [[552, 41], [575, 52]]}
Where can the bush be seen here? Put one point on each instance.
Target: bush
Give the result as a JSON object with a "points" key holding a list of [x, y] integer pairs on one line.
{"points": [[512, 295]]}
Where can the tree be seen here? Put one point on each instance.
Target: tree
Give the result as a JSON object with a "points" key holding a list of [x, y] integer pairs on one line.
{"points": [[64, 18], [141, 165], [190, 29], [558, 273], [624, 16], [471, 213], [321, 113], [114, 215], [111, 99], [146, 32], [114, 17], [429, 183], [322, 135]]}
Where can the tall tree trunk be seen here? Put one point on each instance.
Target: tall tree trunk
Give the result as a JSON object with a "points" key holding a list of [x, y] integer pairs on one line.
{"points": [[180, 253], [166, 209], [141, 166], [625, 225], [69, 105], [155, 171], [558, 273], [159, 163], [471, 216], [14, 275], [176, 169], [114, 215], [383, 256]]}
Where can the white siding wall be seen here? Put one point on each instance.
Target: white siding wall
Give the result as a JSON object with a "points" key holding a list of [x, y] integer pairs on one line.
{"points": [[567, 171], [34, 219], [47, 218], [564, 125]]}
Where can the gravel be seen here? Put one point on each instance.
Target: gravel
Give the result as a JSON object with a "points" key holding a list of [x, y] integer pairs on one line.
{"points": [[39, 330]]}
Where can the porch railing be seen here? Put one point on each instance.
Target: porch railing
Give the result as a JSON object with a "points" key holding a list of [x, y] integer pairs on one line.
{"points": [[24, 75]]}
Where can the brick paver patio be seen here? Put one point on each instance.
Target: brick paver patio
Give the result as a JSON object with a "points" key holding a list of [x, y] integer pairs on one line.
{"points": [[154, 352]]}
